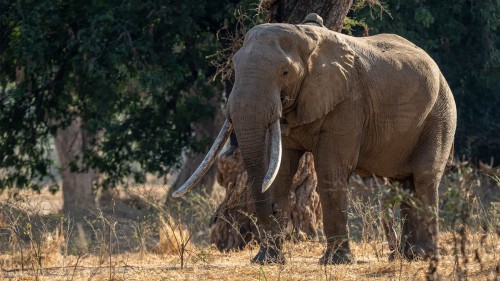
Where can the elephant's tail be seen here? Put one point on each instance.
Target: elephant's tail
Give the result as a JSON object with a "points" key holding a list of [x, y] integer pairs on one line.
{"points": [[450, 157]]}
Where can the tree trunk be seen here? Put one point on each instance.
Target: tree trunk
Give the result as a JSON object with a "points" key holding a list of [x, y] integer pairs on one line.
{"points": [[306, 209], [294, 11], [76, 187], [232, 226]]}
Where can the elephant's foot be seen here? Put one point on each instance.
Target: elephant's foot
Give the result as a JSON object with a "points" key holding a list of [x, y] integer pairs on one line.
{"points": [[269, 255], [418, 252], [340, 256]]}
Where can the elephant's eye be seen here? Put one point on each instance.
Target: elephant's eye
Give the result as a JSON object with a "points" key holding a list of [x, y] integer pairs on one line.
{"points": [[285, 73]]}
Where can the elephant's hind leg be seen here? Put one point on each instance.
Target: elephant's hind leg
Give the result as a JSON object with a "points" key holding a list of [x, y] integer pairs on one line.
{"points": [[419, 215], [426, 215], [409, 218], [428, 163]]}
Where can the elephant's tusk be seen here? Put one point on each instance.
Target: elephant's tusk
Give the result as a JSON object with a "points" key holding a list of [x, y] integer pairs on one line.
{"points": [[274, 162], [222, 138]]}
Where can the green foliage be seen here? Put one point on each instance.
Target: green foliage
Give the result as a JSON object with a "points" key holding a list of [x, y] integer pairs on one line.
{"points": [[351, 23], [135, 72], [463, 37]]}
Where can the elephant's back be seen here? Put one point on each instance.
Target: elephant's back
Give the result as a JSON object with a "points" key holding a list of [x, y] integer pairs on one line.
{"points": [[400, 85], [388, 43], [391, 47], [399, 79]]}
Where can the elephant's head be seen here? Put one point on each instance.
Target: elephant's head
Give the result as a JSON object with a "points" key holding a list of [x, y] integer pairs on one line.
{"points": [[293, 73]]}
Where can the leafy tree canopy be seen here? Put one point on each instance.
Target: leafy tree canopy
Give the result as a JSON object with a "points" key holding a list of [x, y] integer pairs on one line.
{"points": [[135, 71], [137, 74]]}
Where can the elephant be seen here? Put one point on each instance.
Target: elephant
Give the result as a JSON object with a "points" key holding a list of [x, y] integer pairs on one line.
{"points": [[376, 105]]}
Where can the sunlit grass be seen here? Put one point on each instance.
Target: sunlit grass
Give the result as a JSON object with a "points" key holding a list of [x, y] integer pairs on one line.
{"points": [[136, 237]]}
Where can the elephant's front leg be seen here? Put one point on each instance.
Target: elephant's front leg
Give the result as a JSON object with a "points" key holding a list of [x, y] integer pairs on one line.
{"points": [[273, 230], [335, 160], [332, 187]]}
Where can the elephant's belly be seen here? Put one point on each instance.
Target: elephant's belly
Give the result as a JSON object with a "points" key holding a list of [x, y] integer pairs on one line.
{"points": [[388, 158], [396, 172]]}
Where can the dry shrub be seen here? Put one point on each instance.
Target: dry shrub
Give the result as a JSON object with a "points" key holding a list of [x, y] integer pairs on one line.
{"points": [[232, 36], [30, 240], [35, 253], [174, 238]]}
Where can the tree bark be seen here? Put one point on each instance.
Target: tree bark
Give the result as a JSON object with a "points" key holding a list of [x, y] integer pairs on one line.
{"points": [[232, 226], [294, 11], [306, 213], [76, 186]]}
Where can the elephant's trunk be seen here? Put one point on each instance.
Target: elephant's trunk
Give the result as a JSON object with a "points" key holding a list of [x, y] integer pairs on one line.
{"points": [[261, 151], [254, 149], [254, 108]]}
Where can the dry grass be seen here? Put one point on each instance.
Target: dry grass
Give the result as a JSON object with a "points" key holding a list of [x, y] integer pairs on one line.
{"points": [[209, 264], [174, 237], [142, 239]]}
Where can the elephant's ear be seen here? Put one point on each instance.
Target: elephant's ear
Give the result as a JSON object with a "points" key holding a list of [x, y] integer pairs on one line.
{"points": [[327, 83]]}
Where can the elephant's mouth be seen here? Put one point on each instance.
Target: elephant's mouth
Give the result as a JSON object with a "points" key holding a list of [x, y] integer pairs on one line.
{"points": [[224, 134]]}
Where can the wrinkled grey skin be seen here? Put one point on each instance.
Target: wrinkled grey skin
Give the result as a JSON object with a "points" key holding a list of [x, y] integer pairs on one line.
{"points": [[375, 105]]}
